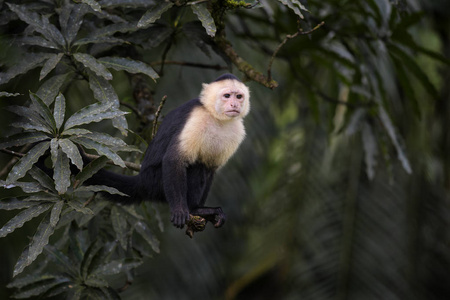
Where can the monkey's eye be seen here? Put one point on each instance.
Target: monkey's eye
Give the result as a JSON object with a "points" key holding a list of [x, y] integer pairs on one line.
{"points": [[227, 95], [239, 96]]}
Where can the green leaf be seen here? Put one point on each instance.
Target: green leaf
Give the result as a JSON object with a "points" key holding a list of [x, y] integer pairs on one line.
{"points": [[95, 281], [91, 63], [37, 41], [95, 206], [71, 150], [23, 217], [51, 87], [110, 30], [40, 23], [88, 114], [30, 127], [143, 229], [88, 257], [128, 65], [6, 94], [26, 63], [93, 4], [27, 187], [119, 266], [22, 139], [43, 179], [105, 139], [14, 203], [29, 279], [71, 19], [100, 188], [99, 40], [204, 16], [101, 150], [61, 260], [50, 64], [59, 110], [76, 132], [389, 127], [56, 213], [295, 5], [119, 224], [80, 207], [43, 110], [90, 169], [25, 163], [39, 287], [61, 173], [104, 92], [370, 150], [154, 14]]}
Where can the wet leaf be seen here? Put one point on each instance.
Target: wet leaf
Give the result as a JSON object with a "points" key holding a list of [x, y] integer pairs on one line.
{"points": [[93, 4], [61, 171], [50, 64], [23, 217], [295, 5], [71, 150], [43, 110], [61, 260], [93, 113], [154, 14], [119, 224], [129, 65], [51, 87], [90, 169], [26, 63], [100, 188], [43, 179], [22, 139], [101, 150], [143, 229], [25, 163], [56, 213], [14, 203], [204, 16], [93, 64], [59, 110]]}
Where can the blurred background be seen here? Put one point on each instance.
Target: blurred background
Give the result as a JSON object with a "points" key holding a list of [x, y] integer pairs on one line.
{"points": [[341, 189]]}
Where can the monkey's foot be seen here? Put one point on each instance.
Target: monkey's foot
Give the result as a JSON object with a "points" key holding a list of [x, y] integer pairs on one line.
{"points": [[195, 224]]}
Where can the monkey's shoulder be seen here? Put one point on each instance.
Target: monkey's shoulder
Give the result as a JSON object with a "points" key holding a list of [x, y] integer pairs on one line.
{"points": [[208, 140]]}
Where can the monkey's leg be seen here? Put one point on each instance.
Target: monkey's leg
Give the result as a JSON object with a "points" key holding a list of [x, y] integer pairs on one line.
{"points": [[214, 215]]}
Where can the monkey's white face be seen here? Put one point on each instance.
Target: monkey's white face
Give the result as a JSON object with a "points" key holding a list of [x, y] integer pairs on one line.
{"points": [[231, 101], [226, 100]]}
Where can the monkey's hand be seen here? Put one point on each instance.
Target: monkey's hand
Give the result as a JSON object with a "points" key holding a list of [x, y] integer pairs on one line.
{"points": [[179, 217], [219, 217]]}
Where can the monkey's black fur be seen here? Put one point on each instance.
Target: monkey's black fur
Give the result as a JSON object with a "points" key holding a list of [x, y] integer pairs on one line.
{"points": [[164, 176]]}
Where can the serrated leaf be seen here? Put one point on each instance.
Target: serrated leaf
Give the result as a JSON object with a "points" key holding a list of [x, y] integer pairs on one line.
{"points": [[101, 150], [93, 4], [22, 139], [110, 30], [80, 207], [90, 169], [153, 14], [129, 65], [295, 5], [118, 266], [71, 19], [59, 110], [41, 177], [85, 115], [56, 212], [143, 229], [104, 92], [23, 217], [51, 87], [50, 64], [71, 150], [61, 171], [76, 132], [37, 41], [119, 224], [39, 287], [43, 110], [100, 188], [6, 94], [98, 40], [27, 187], [14, 203], [205, 17], [29, 279], [88, 257], [91, 63], [30, 127], [389, 127], [39, 23], [26, 63], [61, 260], [105, 139], [25, 163]]}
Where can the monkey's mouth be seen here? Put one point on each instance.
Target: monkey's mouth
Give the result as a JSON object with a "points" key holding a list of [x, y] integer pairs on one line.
{"points": [[232, 113]]}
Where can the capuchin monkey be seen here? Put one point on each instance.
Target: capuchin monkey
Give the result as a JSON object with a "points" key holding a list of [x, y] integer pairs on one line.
{"points": [[192, 142]]}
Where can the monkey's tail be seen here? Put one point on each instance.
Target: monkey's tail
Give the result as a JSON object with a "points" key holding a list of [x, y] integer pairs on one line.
{"points": [[123, 183]]}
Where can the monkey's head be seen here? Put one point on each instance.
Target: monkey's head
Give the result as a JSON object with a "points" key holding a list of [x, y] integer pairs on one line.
{"points": [[226, 98]]}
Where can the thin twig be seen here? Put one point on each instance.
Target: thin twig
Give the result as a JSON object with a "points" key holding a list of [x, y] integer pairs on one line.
{"points": [[288, 37], [155, 121], [189, 64]]}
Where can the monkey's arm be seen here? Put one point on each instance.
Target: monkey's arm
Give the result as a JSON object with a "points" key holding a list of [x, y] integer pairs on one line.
{"points": [[175, 187]]}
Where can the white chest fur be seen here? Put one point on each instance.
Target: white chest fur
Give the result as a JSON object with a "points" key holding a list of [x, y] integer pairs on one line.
{"points": [[208, 140]]}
